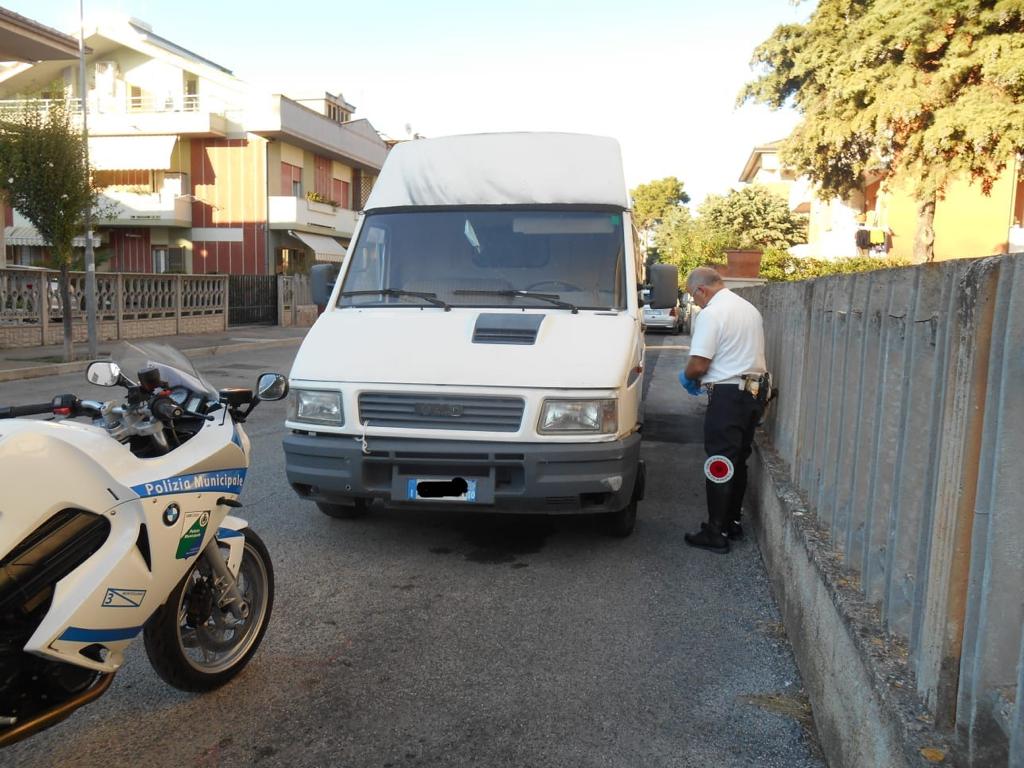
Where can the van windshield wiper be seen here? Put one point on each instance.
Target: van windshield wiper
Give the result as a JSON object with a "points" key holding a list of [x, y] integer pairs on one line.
{"points": [[431, 297], [554, 298]]}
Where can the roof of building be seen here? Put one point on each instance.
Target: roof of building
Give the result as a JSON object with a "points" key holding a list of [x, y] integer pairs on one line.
{"points": [[107, 35], [147, 32], [356, 142], [304, 96], [22, 39], [502, 169], [750, 167]]}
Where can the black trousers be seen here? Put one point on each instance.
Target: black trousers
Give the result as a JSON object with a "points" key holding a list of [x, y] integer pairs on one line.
{"points": [[729, 425]]}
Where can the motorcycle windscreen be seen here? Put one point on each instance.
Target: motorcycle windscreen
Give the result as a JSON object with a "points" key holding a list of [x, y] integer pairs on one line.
{"points": [[175, 368]]}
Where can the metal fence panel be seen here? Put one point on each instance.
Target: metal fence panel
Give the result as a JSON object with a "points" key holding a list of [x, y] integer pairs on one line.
{"points": [[252, 299]]}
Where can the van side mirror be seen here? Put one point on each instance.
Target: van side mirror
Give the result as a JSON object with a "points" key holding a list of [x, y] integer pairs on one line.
{"points": [[664, 285], [321, 282]]}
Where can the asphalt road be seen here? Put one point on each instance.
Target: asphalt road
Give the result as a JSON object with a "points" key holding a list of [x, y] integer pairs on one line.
{"points": [[447, 639]]}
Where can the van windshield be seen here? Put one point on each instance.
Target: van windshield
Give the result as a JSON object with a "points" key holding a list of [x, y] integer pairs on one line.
{"points": [[488, 258]]}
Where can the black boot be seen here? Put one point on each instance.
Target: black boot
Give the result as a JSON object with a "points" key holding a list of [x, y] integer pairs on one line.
{"points": [[734, 531], [710, 537]]}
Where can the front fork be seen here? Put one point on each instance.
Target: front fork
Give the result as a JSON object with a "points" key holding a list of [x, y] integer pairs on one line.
{"points": [[225, 572]]}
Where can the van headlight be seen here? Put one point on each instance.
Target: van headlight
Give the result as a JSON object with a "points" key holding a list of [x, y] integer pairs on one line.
{"points": [[317, 407], [595, 416]]}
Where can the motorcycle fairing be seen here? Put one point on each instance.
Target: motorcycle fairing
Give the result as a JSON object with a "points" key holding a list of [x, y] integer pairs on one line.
{"points": [[42, 471], [82, 612], [221, 480], [89, 606]]}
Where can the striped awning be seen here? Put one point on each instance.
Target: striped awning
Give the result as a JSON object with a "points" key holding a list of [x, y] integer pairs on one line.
{"points": [[324, 248], [25, 235]]}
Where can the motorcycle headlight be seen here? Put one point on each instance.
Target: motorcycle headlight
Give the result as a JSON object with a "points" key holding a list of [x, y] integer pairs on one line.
{"points": [[594, 416], [317, 407]]}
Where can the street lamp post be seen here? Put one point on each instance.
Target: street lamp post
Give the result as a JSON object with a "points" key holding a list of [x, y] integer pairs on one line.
{"points": [[90, 257]]}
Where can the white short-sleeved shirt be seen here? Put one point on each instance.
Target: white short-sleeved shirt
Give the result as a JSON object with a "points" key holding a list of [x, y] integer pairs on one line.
{"points": [[729, 332]]}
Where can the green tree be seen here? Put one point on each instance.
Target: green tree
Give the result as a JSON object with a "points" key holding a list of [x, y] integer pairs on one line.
{"points": [[652, 202], [924, 90], [755, 217], [42, 166], [690, 242]]}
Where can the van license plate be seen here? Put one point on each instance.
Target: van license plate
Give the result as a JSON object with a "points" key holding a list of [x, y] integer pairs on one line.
{"points": [[441, 489]]}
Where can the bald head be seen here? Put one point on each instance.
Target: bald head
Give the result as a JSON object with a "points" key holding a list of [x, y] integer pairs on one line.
{"points": [[702, 284], [704, 277]]}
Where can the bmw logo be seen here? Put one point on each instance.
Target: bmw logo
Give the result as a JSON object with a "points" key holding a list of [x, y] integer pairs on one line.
{"points": [[171, 514]]}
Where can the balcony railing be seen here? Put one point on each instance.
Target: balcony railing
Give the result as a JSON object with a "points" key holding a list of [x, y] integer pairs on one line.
{"points": [[291, 212], [99, 104], [189, 115], [154, 208]]}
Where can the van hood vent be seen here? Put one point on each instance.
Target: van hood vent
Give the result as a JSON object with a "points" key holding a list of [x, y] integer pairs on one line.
{"points": [[497, 328]]}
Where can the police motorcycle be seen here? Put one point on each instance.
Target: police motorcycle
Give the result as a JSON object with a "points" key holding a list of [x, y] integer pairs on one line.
{"points": [[114, 522]]}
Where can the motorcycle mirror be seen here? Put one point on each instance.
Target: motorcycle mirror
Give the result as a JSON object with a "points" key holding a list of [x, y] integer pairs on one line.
{"points": [[271, 386], [103, 373]]}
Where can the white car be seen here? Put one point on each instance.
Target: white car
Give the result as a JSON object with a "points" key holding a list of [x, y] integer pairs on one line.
{"points": [[671, 319]]}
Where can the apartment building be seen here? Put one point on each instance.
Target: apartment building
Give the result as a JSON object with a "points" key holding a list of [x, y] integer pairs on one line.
{"points": [[883, 215], [200, 172], [22, 39]]}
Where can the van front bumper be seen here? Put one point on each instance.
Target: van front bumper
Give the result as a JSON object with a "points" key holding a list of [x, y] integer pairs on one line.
{"points": [[539, 478]]}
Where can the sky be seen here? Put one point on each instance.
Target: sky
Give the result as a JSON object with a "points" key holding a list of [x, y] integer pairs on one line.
{"points": [[661, 76]]}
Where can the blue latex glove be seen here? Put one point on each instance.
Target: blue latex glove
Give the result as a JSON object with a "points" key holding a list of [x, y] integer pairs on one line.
{"points": [[690, 385]]}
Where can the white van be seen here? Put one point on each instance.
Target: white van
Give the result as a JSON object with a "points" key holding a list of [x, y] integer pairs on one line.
{"points": [[482, 345]]}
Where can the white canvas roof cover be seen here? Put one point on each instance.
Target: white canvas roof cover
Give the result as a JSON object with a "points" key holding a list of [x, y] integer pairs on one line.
{"points": [[324, 248], [502, 169], [131, 153]]}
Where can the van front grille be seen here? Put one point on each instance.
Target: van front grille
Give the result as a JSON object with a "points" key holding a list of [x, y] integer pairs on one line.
{"points": [[414, 411]]}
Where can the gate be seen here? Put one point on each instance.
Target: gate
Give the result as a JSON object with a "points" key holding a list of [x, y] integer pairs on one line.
{"points": [[252, 299]]}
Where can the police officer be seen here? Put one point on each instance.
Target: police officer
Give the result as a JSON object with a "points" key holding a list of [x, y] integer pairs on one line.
{"points": [[727, 361]]}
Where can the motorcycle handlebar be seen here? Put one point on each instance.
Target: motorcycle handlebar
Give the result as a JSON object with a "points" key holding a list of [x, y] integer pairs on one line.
{"points": [[166, 409], [14, 411]]}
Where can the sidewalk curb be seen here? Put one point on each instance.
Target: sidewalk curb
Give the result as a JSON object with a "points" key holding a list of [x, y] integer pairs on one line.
{"points": [[55, 369], [856, 676]]}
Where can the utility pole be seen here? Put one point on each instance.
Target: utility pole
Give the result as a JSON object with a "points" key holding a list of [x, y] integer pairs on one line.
{"points": [[90, 257]]}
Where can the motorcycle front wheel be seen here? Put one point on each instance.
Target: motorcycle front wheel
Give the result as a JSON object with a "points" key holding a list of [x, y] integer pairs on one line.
{"points": [[196, 645]]}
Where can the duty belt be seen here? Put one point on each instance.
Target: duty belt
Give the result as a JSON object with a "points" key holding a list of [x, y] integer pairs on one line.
{"points": [[755, 383]]}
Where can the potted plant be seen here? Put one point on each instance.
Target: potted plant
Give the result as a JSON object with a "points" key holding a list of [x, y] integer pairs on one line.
{"points": [[743, 262]]}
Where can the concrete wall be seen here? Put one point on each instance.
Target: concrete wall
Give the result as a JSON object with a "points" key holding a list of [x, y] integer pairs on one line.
{"points": [[900, 422]]}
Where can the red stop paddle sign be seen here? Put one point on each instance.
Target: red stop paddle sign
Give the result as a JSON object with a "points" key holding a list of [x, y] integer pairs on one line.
{"points": [[718, 469]]}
